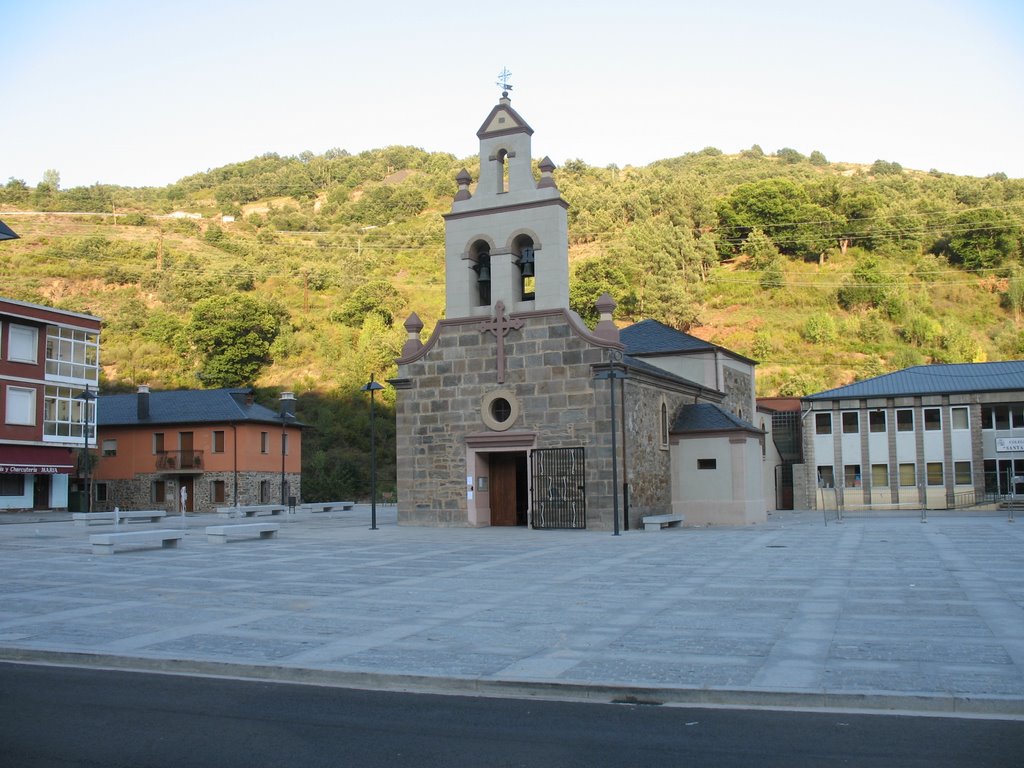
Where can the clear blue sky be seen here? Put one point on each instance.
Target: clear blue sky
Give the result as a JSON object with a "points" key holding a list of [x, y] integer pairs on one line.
{"points": [[143, 93]]}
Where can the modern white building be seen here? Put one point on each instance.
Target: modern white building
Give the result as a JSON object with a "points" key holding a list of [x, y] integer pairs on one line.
{"points": [[930, 436]]}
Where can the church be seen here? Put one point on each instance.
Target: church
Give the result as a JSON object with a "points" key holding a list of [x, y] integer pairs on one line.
{"points": [[514, 413]]}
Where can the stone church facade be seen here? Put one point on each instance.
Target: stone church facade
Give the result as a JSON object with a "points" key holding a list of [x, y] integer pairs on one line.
{"points": [[505, 414]]}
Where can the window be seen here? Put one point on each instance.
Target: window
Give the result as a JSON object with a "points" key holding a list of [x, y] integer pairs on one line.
{"points": [[158, 442], [65, 413], [959, 418], [905, 420], [100, 491], [851, 422], [962, 473], [110, 447], [22, 344], [933, 470], [21, 406], [1017, 416], [876, 421], [823, 423], [932, 419], [12, 485], [851, 476], [218, 441], [264, 491], [285, 443], [826, 477], [707, 463], [264, 442], [908, 475], [1002, 414], [217, 491], [664, 425], [72, 353], [158, 491], [879, 475]]}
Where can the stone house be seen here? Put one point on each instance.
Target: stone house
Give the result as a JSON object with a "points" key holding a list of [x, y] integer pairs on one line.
{"points": [[514, 412], [218, 445]]}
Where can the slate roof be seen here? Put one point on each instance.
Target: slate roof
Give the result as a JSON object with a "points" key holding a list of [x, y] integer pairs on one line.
{"points": [[708, 417], [187, 406], [651, 337], [957, 378]]}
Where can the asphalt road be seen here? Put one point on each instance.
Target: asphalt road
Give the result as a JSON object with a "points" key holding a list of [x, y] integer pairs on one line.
{"points": [[59, 716]]}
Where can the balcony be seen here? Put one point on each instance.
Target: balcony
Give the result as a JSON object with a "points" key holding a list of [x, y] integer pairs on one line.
{"points": [[180, 462]]}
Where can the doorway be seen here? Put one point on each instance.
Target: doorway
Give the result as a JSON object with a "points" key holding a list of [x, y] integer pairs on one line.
{"points": [[187, 485], [41, 492], [509, 488]]}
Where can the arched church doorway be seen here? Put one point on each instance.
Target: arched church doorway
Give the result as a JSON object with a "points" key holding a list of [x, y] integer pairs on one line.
{"points": [[509, 488]]}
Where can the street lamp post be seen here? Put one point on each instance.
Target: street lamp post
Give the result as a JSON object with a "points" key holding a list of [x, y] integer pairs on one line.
{"points": [[287, 412], [87, 396], [373, 386], [614, 372]]}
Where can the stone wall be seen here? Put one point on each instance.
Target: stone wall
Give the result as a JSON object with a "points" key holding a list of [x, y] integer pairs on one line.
{"points": [[137, 493], [648, 462], [440, 395], [739, 397]]}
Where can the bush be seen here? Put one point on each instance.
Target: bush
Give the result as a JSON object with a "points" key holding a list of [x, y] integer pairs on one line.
{"points": [[820, 328]]}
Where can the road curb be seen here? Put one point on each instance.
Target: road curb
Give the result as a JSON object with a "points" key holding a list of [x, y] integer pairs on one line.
{"points": [[873, 701]]}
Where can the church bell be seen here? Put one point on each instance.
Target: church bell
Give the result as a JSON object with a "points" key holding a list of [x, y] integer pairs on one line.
{"points": [[526, 262]]}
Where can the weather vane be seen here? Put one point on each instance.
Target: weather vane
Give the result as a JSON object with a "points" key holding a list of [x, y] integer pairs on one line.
{"points": [[503, 81]]}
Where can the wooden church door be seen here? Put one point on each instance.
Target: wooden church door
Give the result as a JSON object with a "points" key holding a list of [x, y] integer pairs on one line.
{"points": [[507, 492]]}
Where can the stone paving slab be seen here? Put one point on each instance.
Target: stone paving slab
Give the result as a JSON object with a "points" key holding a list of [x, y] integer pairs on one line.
{"points": [[874, 612]]}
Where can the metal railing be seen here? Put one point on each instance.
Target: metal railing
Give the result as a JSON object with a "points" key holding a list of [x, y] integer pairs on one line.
{"points": [[179, 460]]}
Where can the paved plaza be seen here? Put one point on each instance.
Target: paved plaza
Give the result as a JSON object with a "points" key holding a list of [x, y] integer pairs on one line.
{"points": [[875, 612]]}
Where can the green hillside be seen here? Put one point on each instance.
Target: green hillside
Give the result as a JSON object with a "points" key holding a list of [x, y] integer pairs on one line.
{"points": [[824, 272]]}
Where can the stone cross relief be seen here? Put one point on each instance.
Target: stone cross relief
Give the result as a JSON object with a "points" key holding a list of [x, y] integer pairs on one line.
{"points": [[500, 326]]}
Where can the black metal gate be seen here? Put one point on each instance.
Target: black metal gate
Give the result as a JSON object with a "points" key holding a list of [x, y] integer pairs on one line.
{"points": [[559, 488]]}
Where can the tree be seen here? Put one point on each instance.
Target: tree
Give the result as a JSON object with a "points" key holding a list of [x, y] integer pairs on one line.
{"points": [[789, 155], [51, 179], [1014, 296], [817, 158], [983, 238], [783, 210], [760, 249], [595, 276], [377, 297], [886, 168], [866, 287], [230, 338], [772, 276]]}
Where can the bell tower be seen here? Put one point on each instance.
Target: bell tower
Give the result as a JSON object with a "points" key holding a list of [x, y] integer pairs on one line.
{"points": [[508, 240]]}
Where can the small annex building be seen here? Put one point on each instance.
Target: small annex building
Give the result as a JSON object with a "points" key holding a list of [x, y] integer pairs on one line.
{"points": [[514, 412], [930, 436]]}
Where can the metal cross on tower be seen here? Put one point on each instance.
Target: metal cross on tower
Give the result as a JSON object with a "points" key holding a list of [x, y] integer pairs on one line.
{"points": [[500, 326], [503, 81]]}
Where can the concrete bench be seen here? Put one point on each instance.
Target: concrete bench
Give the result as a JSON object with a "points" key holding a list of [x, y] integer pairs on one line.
{"points": [[657, 522], [83, 519], [328, 506], [218, 534], [104, 543], [252, 510]]}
